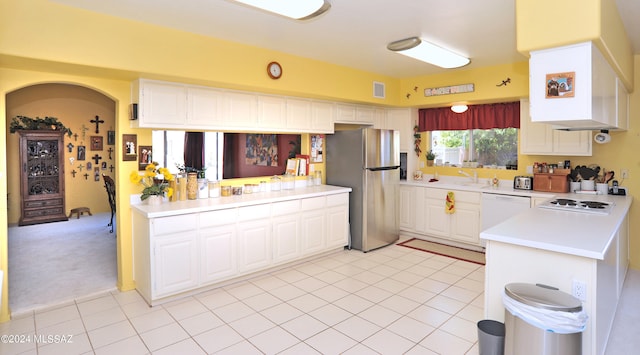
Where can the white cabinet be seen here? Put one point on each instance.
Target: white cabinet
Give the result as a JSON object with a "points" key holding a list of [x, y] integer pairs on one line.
{"points": [[272, 112], [422, 211], [313, 224], [309, 116], [400, 120], [286, 230], [541, 139], [174, 254], [584, 90], [355, 114], [240, 110], [622, 107], [161, 104], [217, 237], [180, 253], [407, 207], [323, 115], [337, 213]]}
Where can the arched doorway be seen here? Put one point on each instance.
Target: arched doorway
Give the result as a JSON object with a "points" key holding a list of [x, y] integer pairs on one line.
{"points": [[54, 262]]}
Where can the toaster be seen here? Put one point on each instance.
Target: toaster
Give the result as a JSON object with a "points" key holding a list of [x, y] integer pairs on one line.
{"points": [[523, 183]]}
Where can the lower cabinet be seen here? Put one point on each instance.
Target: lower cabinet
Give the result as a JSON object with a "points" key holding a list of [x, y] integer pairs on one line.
{"points": [[422, 211], [181, 253]]}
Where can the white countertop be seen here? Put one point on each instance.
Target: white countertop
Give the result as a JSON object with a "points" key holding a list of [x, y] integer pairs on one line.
{"points": [[211, 204], [465, 184], [581, 234]]}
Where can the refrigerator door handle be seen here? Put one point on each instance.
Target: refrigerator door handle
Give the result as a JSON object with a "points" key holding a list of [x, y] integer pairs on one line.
{"points": [[384, 168]]}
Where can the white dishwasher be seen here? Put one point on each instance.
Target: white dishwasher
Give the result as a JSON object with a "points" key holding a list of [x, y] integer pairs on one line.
{"points": [[497, 208]]}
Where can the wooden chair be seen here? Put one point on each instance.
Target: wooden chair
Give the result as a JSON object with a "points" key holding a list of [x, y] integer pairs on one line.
{"points": [[110, 186]]}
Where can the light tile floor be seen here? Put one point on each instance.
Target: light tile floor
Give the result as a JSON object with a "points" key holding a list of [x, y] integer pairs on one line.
{"points": [[394, 300]]}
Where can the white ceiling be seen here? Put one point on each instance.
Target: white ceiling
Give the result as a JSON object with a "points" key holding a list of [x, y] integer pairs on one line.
{"points": [[354, 33]]}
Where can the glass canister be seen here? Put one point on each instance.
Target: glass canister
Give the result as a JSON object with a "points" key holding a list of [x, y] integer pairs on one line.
{"points": [[275, 183], [263, 186], [173, 185], [318, 177], [225, 191], [288, 182], [192, 186], [214, 189], [203, 188], [182, 188]]}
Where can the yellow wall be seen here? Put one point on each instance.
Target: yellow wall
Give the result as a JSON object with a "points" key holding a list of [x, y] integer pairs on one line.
{"points": [[73, 106], [41, 41], [576, 21]]}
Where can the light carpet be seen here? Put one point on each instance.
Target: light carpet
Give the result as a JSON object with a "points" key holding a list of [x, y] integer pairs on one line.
{"points": [[445, 250], [52, 263]]}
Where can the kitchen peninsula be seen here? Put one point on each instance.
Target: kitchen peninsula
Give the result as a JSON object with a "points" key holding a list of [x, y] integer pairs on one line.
{"points": [[186, 246], [558, 248]]}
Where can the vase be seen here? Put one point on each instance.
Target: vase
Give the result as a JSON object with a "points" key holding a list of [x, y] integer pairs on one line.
{"points": [[192, 186], [429, 162], [154, 200]]}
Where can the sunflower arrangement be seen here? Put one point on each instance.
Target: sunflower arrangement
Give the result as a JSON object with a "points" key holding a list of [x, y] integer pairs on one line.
{"points": [[155, 181]]}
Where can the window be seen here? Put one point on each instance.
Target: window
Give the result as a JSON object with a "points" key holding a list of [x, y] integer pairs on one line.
{"points": [[168, 148], [488, 147], [486, 134]]}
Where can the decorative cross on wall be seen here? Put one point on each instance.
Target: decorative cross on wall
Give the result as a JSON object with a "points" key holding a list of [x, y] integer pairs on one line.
{"points": [[84, 132], [111, 168], [75, 137], [110, 151], [70, 147], [96, 158], [97, 121], [73, 172], [80, 167], [86, 176]]}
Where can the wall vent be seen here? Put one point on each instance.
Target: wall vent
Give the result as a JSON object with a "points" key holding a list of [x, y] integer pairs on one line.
{"points": [[378, 90]]}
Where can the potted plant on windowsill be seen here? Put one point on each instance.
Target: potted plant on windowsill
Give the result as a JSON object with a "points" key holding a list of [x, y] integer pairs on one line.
{"points": [[431, 156]]}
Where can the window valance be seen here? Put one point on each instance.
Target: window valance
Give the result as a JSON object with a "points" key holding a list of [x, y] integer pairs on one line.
{"points": [[501, 115]]}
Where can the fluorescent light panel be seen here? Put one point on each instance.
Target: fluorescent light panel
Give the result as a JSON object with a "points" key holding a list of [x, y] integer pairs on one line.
{"points": [[459, 108], [295, 9], [416, 48]]}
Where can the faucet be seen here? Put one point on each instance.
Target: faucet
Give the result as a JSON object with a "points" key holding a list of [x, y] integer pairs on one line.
{"points": [[473, 178]]}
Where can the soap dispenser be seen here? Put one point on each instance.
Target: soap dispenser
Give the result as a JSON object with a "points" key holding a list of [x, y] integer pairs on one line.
{"points": [[495, 182]]}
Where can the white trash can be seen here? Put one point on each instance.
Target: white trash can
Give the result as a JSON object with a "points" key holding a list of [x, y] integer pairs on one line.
{"points": [[540, 319]]}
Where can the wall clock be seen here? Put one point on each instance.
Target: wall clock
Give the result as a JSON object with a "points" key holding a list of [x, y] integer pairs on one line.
{"points": [[274, 70]]}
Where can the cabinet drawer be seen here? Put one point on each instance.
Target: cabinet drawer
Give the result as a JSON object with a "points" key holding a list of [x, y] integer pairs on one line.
{"points": [[313, 203], [337, 200], [43, 203], [254, 212], [460, 196], [218, 218], [174, 224], [43, 212], [285, 208]]}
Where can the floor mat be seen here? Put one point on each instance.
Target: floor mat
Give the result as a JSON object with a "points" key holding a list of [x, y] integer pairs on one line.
{"points": [[445, 250]]}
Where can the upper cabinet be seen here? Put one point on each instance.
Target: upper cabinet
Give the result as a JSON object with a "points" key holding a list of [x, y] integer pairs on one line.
{"points": [[573, 87], [160, 104], [541, 139]]}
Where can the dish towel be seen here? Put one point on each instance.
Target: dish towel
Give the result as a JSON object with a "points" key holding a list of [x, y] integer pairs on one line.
{"points": [[450, 205]]}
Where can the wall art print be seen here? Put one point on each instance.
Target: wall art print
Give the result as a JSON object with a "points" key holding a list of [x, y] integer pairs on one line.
{"points": [[262, 150], [560, 85]]}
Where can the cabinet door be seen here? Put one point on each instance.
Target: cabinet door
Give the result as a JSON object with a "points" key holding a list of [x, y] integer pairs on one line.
{"points": [[240, 110], [437, 222], [365, 114], [337, 226], [254, 245], [400, 120], [204, 107], [407, 208], [272, 112], [286, 238], [218, 256], [313, 231], [465, 223], [323, 116], [162, 105], [299, 115], [345, 113], [572, 143], [175, 264]]}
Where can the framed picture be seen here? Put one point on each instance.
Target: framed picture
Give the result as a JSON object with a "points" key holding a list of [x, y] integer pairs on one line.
{"points": [[111, 137], [145, 156], [560, 85], [96, 142], [129, 147], [82, 152]]}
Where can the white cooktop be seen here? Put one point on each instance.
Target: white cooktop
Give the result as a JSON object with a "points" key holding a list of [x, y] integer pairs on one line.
{"points": [[580, 206]]}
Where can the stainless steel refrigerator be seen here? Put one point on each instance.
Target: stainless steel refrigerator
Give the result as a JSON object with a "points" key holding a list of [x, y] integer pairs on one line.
{"points": [[368, 161]]}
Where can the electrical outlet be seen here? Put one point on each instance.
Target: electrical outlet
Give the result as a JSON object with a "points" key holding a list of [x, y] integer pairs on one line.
{"points": [[624, 173], [579, 290]]}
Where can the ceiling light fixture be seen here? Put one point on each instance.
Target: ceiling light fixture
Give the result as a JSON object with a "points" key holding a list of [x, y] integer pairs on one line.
{"points": [[459, 108], [298, 10], [416, 48]]}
